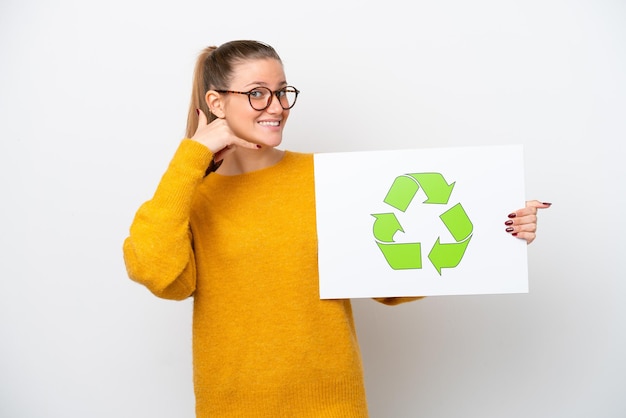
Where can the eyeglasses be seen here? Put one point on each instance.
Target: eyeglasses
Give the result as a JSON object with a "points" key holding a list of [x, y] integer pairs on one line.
{"points": [[260, 98]]}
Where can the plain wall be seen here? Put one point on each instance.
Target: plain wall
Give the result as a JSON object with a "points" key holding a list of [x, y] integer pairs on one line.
{"points": [[93, 101]]}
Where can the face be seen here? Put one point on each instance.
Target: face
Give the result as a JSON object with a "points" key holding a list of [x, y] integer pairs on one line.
{"points": [[264, 127]]}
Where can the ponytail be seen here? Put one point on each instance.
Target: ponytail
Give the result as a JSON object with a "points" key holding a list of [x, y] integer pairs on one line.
{"points": [[198, 90]]}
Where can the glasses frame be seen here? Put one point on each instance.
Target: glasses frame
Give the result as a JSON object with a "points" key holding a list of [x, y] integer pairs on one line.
{"points": [[271, 97]]}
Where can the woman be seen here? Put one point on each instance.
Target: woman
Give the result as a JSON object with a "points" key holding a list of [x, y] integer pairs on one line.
{"points": [[240, 237]]}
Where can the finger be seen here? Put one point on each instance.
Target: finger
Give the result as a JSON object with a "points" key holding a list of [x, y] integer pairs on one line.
{"points": [[246, 144], [522, 220], [528, 226], [531, 208], [202, 119], [219, 155], [537, 204], [526, 232], [527, 236], [528, 211]]}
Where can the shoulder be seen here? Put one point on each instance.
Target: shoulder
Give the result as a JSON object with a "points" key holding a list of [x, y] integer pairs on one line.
{"points": [[299, 155], [297, 165], [298, 158]]}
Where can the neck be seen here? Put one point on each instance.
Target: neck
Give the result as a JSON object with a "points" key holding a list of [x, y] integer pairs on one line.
{"points": [[243, 160]]}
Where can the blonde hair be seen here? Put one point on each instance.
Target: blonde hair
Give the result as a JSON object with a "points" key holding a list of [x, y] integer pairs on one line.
{"points": [[214, 69]]}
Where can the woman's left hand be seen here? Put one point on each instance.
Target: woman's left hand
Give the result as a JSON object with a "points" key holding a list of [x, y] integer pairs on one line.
{"points": [[523, 222]]}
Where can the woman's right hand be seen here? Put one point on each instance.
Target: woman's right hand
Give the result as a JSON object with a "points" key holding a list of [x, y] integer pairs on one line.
{"points": [[218, 137]]}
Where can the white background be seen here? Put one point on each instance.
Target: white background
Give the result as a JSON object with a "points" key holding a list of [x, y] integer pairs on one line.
{"points": [[93, 99]]}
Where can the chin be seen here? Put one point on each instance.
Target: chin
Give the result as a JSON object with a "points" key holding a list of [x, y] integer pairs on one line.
{"points": [[270, 142]]}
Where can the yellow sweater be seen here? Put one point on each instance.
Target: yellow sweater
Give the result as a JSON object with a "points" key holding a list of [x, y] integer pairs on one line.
{"points": [[245, 247]]}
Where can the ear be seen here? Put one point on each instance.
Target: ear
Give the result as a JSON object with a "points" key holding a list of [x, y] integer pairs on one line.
{"points": [[215, 103]]}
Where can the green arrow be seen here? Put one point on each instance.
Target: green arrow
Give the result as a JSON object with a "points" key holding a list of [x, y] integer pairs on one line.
{"points": [[401, 192], [457, 222], [385, 226], [402, 256], [435, 187], [447, 255]]}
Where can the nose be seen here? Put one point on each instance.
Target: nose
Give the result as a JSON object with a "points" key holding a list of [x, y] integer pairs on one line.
{"points": [[275, 106]]}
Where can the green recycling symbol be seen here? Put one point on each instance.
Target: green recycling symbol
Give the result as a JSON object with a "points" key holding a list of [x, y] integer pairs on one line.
{"points": [[401, 256]]}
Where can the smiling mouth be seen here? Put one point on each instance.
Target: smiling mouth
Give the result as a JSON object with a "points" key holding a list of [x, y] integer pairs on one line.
{"points": [[270, 123]]}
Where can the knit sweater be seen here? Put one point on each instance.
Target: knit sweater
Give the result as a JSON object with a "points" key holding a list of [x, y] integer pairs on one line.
{"points": [[245, 248]]}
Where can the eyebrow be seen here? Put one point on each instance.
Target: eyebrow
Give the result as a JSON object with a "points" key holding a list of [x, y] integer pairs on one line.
{"points": [[264, 84]]}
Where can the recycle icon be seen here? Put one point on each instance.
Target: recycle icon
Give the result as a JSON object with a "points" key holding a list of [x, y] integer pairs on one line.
{"points": [[402, 256]]}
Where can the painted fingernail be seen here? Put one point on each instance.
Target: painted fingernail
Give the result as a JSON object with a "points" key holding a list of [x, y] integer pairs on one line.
{"points": [[198, 112], [514, 234], [258, 146], [512, 215], [509, 229], [547, 203], [509, 222]]}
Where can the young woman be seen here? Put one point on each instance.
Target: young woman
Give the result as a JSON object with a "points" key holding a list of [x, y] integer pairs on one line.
{"points": [[232, 223]]}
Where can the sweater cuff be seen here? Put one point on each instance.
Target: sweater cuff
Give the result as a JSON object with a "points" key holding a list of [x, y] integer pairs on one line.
{"points": [[192, 154]]}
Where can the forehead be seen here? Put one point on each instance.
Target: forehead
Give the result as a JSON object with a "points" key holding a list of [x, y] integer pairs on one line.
{"points": [[267, 71]]}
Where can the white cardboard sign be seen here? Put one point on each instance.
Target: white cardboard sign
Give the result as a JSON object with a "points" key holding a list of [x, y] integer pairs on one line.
{"points": [[419, 222]]}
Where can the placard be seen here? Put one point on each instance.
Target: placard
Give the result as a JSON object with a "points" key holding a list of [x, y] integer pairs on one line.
{"points": [[419, 222]]}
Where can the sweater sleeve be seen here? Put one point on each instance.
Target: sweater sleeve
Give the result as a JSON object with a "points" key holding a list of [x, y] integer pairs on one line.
{"points": [[158, 252]]}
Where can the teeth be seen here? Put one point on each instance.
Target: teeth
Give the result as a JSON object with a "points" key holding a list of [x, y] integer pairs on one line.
{"points": [[270, 123]]}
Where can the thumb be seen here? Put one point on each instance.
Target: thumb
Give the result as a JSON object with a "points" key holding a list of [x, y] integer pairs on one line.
{"points": [[538, 204]]}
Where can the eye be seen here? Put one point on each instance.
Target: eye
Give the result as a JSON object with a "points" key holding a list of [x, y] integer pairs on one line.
{"points": [[258, 93]]}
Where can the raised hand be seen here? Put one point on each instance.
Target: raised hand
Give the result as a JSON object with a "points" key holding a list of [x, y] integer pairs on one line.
{"points": [[218, 137]]}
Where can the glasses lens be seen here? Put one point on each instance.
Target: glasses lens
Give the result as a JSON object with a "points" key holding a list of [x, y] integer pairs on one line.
{"points": [[288, 97], [260, 98]]}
